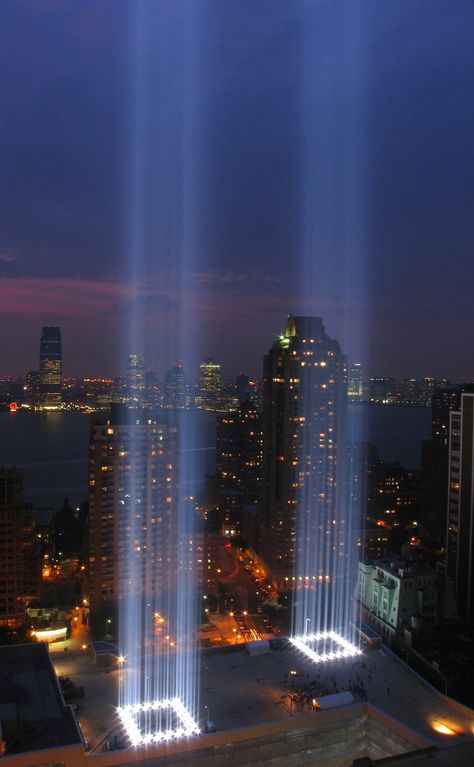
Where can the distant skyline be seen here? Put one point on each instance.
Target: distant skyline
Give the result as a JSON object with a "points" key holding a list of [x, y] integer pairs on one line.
{"points": [[338, 130], [192, 371]]}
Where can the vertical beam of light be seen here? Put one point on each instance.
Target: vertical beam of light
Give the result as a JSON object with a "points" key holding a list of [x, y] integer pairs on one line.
{"points": [[332, 285], [159, 578]]}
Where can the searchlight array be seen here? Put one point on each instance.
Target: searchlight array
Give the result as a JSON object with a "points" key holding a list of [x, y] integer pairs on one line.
{"points": [[340, 647], [132, 716]]}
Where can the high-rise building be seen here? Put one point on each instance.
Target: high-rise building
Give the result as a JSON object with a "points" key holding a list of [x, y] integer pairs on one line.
{"points": [[460, 532], [132, 492], [135, 393], [175, 387], [210, 385], [33, 393], [239, 462], [305, 389], [435, 464], [356, 383], [239, 448], [50, 368], [19, 567]]}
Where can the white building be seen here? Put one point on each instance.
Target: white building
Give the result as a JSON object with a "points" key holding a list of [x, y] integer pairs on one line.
{"points": [[396, 596]]}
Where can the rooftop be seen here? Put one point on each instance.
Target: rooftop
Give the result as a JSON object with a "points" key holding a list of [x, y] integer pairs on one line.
{"points": [[33, 714], [401, 568], [265, 697]]}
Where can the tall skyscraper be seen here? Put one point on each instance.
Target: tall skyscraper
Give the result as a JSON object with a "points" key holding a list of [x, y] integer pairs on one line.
{"points": [[175, 387], [356, 382], [132, 490], [210, 385], [135, 394], [305, 381], [460, 534], [50, 368]]}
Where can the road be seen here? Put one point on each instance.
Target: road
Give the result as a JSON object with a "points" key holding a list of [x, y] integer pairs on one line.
{"points": [[247, 592]]}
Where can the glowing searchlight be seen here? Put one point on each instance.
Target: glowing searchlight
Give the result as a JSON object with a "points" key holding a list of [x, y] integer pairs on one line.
{"points": [[159, 584], [325, 522]]}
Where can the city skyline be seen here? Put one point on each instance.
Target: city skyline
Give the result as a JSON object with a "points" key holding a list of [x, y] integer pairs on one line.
{"points": [[66, 139], [188, 185], [192, 372], [157, 570]]}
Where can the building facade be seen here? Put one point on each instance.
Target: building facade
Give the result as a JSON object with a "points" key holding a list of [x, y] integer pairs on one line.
{"points": [[239, 448], [175, 388], [135, 381], [210, 386], [19, 560], [50, 370], [132, 495], [397, 596], [305, 383], [460, 528]]}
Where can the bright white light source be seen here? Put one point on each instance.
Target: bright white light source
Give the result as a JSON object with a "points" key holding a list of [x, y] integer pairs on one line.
{"points": [[130, 718], [443, 729], [308, 644]]}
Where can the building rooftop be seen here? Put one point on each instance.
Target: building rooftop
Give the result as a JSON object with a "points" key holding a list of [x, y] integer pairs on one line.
{"points": [[33, 715], [401, 568], [258, 698]]}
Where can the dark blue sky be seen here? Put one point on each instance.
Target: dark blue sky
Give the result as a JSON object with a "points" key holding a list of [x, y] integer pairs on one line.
{"points": [[217, 165]]}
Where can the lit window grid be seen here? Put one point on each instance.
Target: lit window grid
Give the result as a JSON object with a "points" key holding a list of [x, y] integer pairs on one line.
{"points": [[346, 648], [128, 714]]}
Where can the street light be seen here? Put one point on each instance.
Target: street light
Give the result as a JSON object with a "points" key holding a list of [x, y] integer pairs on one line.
{"points": [[207, 709], [306, 621]]}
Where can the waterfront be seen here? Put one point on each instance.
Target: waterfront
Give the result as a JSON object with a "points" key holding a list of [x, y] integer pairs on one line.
{"points": [[52, 450]]}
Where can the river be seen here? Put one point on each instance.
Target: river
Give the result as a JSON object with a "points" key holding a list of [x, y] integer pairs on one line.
{"points": [[52, 450]]}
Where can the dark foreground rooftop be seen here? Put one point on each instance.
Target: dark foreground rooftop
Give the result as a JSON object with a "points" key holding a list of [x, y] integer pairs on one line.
{"points": [[33, 715]]}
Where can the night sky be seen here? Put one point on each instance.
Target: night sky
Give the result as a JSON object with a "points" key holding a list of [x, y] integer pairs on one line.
{"points": [[218, 165]]}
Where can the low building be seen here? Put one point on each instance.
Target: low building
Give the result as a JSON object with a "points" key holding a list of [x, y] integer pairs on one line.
{"points": [[399, 596]]}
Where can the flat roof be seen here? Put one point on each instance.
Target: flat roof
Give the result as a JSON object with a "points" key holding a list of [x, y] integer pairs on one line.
{"points": [[241, 691], [33, 714]]}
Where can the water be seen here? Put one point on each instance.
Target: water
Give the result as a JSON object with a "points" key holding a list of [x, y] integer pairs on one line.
{"points": [[52, 452], [398, 432]]}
